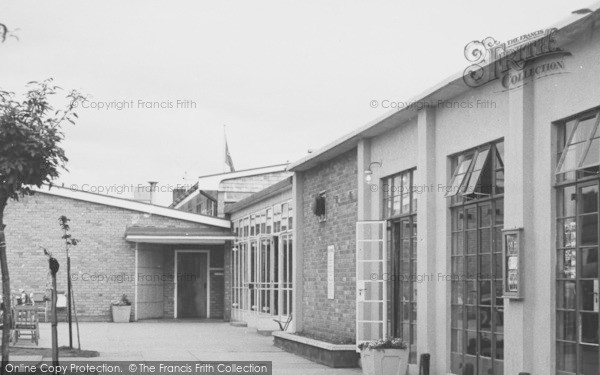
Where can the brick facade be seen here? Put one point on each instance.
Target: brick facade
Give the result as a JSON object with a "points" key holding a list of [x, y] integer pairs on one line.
{"points": [[102, 265], [324, 318]]}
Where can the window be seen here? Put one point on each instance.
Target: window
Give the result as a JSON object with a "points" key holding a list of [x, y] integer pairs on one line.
{"points": [[478, 173], [261, 262], [581, 144], [477, 306], [577, 267], [284, 217], [399, 203], [277, 218], [399, 196]]}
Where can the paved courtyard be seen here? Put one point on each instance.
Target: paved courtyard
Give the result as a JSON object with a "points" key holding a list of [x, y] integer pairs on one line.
{"points": [[185, 340]]}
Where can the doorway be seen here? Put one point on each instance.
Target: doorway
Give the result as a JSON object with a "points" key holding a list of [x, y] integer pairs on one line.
{"points": [[192, 285]]}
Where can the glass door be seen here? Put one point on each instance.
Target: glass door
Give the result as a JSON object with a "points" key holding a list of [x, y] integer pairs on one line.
{"points": [[371, 285]]}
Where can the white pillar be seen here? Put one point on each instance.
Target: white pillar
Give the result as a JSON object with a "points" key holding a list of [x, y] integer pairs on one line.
{"points": [[298, 252], [518, 208], [429, 305]]}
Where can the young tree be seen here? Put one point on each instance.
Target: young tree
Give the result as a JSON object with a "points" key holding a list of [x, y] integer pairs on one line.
{"points": [[69, 241], [30, 155]]}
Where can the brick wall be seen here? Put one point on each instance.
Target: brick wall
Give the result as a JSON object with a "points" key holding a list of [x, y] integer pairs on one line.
{"points": [[325, 318], [103, 264]]}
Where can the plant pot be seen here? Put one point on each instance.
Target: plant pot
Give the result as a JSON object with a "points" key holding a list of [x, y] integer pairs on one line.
{"points": [[121, 314], [384, 361]]}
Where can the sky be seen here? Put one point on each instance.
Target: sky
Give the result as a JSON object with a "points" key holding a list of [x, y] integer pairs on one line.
{"points": [[283, 76]]}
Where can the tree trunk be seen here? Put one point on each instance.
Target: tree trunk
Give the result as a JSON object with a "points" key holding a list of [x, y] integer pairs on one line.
{"points": [[54, 323], [69, 311], [7, 319]]}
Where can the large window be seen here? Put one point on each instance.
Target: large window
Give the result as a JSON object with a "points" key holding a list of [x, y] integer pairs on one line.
{"points": [[262, 261], [400, 207], [577, 283], [477, 314]]}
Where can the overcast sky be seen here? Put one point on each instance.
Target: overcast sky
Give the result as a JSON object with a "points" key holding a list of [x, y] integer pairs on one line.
{"points": [[284, 76]]}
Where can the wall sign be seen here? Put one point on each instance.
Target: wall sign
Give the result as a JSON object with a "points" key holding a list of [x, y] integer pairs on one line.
{"points": [[330, 272], [512, 269]]}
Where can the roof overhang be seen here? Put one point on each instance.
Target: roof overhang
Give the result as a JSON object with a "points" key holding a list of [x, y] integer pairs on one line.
{"points": [[132, 205], [179, 240], [202, 236]]}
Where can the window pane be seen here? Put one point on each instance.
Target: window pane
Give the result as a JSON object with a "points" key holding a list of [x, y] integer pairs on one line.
{"points": [[567, 233], [592, 157], [565, 298], [589, 263], [566, 357], [589, 199], [589, 229], [566, 325], [568, 202], [589, 360], [567, 264], [589, 328], [571, 157], [583, 130]]}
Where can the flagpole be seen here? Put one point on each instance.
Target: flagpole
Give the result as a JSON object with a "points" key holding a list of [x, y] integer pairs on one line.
{"points": [[224, 148]]}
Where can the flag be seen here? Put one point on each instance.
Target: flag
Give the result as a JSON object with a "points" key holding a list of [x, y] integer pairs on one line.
{"points": [[228, 160]]}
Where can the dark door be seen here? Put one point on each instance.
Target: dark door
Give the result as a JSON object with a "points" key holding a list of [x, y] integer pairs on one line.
{"points": [[192, 285]]}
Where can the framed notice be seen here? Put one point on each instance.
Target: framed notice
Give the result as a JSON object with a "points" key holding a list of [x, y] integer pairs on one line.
{"points": [[330, 272], [512, 268]]}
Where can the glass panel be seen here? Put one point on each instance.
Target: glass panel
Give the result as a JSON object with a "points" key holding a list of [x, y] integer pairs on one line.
{"points": [[457, 317], [567, 233], [589, 199], [370, 331], [485, 347], [571, 158], [566, 325], [583, 131], [588, 362], [370, 311], [589, 229], [567, 264], [499, 349], [370, 250], [565, 298], [455, 186], [471, 242], [589, 263], [369, 270], [589, 328], [457, 248], [499, 319], [472, 343], [482, 157], [485, 319], [566, 357], [588, 295], [568, 202], [471, 317], [457, 340], [592, 157]]}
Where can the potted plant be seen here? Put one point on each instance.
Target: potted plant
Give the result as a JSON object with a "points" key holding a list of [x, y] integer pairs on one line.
{"points": [[384, 357], [121, 310]]}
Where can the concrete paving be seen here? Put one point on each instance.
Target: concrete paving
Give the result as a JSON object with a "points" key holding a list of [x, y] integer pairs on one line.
{"points": [[185, 340]]}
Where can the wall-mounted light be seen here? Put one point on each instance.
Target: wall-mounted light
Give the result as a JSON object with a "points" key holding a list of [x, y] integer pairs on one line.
{"points": [[369, 173]]}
